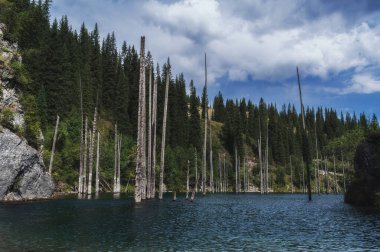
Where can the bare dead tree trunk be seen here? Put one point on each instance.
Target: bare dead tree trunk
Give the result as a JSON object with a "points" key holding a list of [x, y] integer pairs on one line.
{"points": [[239, 175], [236, 171], [115, 161], [149, 182], [154, 126], [187, 179], [211, 162], [327, 177], [91, 152], [85, 156], [267, 158], [140, 160], [97, 165], [174, 195], [335, 182], [304, 138], [244, 176], [192, 195], [205, 136], [344, 177], [196, 171], [118, 164], [261, 161], [53, 147], [317, 161], [162, 161], [220, 174], [80, 180], [225, 174], [291, 174], [90, 161]]}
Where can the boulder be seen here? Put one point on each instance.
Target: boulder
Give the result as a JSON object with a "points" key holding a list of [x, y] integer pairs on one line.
{"points": [[365, 187], [22, 172]]}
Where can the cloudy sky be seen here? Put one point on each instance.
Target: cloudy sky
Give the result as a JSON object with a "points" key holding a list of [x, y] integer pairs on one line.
{"points": [[253, 47]]}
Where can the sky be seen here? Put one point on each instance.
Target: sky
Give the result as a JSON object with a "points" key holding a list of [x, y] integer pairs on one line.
{"points": [[253, 47]]}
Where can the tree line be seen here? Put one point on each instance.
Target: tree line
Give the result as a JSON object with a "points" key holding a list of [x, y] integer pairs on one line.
{"points": [[61, 64]]}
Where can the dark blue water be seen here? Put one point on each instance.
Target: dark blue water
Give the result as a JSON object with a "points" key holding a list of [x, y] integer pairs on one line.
{"points": [[219, 222]]}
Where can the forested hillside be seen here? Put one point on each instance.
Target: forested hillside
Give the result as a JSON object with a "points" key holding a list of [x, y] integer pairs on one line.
{"points": [[60, 63]]}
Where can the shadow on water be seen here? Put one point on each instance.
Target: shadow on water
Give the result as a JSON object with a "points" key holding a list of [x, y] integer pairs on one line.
{"points": [[216, 221]]}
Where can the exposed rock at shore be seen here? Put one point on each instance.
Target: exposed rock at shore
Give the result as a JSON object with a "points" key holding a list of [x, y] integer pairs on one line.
{"points": [[365, 187], [22, 171]]}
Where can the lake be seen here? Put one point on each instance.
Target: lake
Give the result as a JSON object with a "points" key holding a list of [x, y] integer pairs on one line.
{"points": [[218, 222]]}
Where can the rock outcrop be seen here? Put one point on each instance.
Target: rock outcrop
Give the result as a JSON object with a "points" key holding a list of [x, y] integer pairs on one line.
{"points": [[365, 187], [22, 171], [8, 92]]}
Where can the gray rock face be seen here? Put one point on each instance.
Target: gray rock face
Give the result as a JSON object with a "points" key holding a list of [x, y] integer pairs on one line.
{"points": [[22, 171], [364, 189]]}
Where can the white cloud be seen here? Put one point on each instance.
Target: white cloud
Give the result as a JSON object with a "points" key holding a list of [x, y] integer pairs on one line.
{"points": [[261, 39], [361, 84]]}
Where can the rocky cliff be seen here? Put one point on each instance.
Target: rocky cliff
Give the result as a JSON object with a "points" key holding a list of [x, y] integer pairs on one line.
{"points": [[22, 171], [365, 187]]}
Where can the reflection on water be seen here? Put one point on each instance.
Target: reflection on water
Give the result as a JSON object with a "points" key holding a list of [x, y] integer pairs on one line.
{"points": [[218, 222]]}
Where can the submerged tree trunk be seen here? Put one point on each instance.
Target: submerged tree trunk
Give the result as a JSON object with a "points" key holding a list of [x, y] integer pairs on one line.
{"points": [[224, 173], [91, 152], [187, 180], [149, 178], [85, 158], [53, 147], [327, 177], [80, 180], [211, 163], [344, 176], [174, 195], [196, 171], [97, 165], [291, 173], [154, 126], [205, 136], [305, 139], [220, 174], [116, 159], [162, 161], [335, 182], [140, 160], [236, 171], [267, 159]]}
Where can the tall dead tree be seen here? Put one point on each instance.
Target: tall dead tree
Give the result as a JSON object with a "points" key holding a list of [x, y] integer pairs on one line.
{"points": [[291, 173], [149, 182], [335, 181], [344, 176], [211, 162], [196, 171], [91, 152], [53, 147], [187, 180], [261, 160], [162, 161], [118, 164], [140, 179], [305, 141], [317, 160], [220, 173], [80, 180], [205, 136], [116, 159], [97, 165], [236, 171], [224, 173], [154, 152], [267, 159], [85, 157]]}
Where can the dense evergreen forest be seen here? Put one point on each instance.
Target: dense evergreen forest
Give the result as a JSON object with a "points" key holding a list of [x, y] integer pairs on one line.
{"points": [[60, 63]]}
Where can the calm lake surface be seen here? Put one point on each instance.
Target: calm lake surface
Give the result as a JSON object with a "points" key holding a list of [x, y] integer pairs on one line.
{"points": [[219, 222]]}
